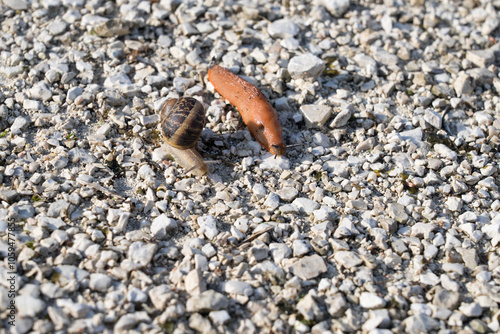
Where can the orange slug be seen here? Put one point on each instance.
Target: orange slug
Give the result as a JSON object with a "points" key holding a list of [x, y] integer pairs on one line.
{"points": [[256, 111]]}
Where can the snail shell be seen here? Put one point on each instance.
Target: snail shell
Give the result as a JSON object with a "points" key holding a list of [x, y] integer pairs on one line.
{"points": [[182, 121]]}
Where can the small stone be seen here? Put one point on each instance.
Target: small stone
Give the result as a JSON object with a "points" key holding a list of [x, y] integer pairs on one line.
{"points": [[300, 248], [8, 195], [310, 309], [309, 267], [28, 306], [259, 190], [117, 81], [73, 93], [315, 115], [347, 259], [135, 295], [471, 310], [341, 119], [194, 282], [272, 272], [371, 300], [57, 27], [16, 4], [219, 318], [100, 282], [279, 251], [208, 227], [287, 194], [481, 58], [449, 300], [454, 204], [160, 296], [445, 152], [429, 278], [58, 208], [397, 212], [113, 28], [164, 227], [40, 91], [20, 123], [464, 84], [420, 323], [306, 205], [490, 24], [273, 162], [141, 253], [207, 301], [433, 118], [306, 66], [442, 90], [336, 7], [282, 28], [238, 288]]}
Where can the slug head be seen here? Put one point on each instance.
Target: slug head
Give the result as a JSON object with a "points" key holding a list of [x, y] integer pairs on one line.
{"points": [[269, 137]]}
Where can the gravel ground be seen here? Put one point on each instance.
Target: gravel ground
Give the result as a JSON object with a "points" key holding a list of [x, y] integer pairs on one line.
{"points": [[383, 217]]}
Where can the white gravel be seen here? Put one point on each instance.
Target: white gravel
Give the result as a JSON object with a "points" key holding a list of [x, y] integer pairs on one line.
{"points": [[383, 216]]}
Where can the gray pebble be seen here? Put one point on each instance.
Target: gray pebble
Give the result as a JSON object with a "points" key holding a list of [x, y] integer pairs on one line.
{"points": [[371, 300], [141, 253], [57, 27], [100, 282], [308, 267], [306, 66], [283, 28], [336, 7], [207, 301], [20, 124], [341, 119], [73, 93], [164, 227], [315, 115]]}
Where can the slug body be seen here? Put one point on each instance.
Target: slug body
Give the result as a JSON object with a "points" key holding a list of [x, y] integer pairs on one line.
{"points": [[256, 111], [182, 121]]}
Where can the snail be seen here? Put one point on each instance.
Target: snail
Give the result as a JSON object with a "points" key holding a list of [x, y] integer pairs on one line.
{"points": [[182, 121], [256, 111]]}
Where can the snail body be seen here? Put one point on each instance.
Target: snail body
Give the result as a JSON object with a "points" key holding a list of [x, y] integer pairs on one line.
{"points": [[182, 121]]}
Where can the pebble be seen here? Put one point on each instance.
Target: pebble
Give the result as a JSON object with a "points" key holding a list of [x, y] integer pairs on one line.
{"points": [[238, 288], [341, 119], [397, 212], [336, 7], [73, 93], [283, 28], [306, 205], [464, 84], [207, 301], [99, 282], [481, 58], [164, 227], [306, 66], [219, 318], [140, 253], [347, 259], [57, 27], [16, 5], [29, 306], [449, 300], [371, 300], [315, 116], [208, 226], [20, 123], [309, 267], [471, 310]]}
